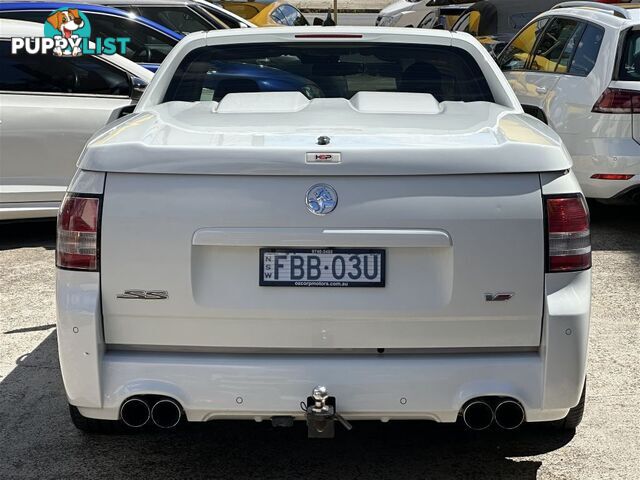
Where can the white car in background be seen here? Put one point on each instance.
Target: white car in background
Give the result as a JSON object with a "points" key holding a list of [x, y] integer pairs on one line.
{"points": [[410, 13], [400, 241], [577, 68], [49, 108]]}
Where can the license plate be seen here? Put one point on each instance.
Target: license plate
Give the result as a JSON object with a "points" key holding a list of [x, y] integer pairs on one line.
{"points": [[322, 267]]}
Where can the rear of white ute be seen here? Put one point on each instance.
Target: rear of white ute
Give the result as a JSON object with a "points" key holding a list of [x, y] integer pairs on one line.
{"points": [[394, 240]]}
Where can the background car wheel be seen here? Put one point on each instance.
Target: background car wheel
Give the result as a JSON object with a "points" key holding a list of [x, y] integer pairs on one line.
{"points": [[574, 417], [92, 425]]}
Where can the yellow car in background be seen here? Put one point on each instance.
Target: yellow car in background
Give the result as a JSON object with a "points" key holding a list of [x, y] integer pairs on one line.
{"points": [[266, 13], [495, 22]]}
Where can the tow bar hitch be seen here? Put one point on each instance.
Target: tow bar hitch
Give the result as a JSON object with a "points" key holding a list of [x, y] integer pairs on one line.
{"points": [[321, 414]]}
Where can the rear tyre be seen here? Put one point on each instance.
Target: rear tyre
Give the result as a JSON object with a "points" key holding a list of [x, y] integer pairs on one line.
{"points": [[93, 425], [574, 417]]}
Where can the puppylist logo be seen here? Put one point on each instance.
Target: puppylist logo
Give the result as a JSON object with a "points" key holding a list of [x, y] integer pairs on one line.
{"points": [[66, 34]]}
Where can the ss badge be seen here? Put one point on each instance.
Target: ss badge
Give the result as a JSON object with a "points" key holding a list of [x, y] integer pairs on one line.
{"points": [[144, 294]]}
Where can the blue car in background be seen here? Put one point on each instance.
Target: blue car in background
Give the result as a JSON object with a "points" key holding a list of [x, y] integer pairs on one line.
{"points": [[224, 78], [182, 16], [150, 42]]}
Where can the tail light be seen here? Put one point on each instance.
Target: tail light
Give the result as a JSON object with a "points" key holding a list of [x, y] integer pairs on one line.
{"points": [[77, 237], [615, 100], [611, 176], [568, 235]]}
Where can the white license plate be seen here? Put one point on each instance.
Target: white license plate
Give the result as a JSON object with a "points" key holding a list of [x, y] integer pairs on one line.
{"points": [[322, 267]]}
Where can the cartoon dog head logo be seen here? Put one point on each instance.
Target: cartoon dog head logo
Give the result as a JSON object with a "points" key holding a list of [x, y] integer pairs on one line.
{"points": [[67, 23]]}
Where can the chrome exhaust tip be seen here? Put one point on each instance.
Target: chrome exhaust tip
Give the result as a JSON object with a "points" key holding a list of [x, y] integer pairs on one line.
{"points": [[135, 413], [478, 415], [509, 415], [166, 413]]}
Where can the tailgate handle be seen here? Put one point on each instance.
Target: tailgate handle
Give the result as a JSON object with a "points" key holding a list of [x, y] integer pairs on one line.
{"points": [[316, 237]]}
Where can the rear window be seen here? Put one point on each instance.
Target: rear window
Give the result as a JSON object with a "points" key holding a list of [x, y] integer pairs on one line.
{"points": [[329, 70], [630, 62], [587, 51]]}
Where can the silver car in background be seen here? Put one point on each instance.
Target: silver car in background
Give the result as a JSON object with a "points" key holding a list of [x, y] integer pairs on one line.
{"points": [[50, 108]]}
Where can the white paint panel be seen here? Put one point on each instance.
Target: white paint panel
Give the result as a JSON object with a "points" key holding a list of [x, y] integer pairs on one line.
{"points": [[434, 295]]}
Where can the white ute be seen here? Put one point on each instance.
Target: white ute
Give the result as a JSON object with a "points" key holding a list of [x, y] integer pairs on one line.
{"points": [[366, 226]]}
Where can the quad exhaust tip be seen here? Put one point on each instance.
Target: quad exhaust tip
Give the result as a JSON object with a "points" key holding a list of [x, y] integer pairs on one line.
{"points": [[509, 415], [478, 415], [135, 413], [166, 413]]}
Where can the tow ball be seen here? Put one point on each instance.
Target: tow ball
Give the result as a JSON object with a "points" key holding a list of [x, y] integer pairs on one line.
{"points": [[321, 414]]}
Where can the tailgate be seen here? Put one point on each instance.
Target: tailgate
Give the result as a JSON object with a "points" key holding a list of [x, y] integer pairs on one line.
{"points": [[448, 240]]}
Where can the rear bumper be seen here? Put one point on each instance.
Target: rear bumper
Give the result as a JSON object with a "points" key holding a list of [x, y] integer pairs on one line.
{"points": [[427, 386], [606, 189], [606, 155], [366, 387]]}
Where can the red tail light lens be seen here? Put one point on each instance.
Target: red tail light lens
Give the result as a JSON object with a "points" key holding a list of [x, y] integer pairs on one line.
{"points": [[77, 237], [615, 100], [568, 234], [611, 176]]}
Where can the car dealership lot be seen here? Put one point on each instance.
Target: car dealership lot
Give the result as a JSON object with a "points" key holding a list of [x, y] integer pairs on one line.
{"points": [[37, 439]]}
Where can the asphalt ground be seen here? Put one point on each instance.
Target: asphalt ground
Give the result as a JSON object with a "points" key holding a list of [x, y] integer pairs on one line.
{"points": [[37, 439]]}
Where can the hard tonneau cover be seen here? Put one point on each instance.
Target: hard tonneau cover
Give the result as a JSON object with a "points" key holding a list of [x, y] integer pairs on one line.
{"points": [[207, 138]]}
